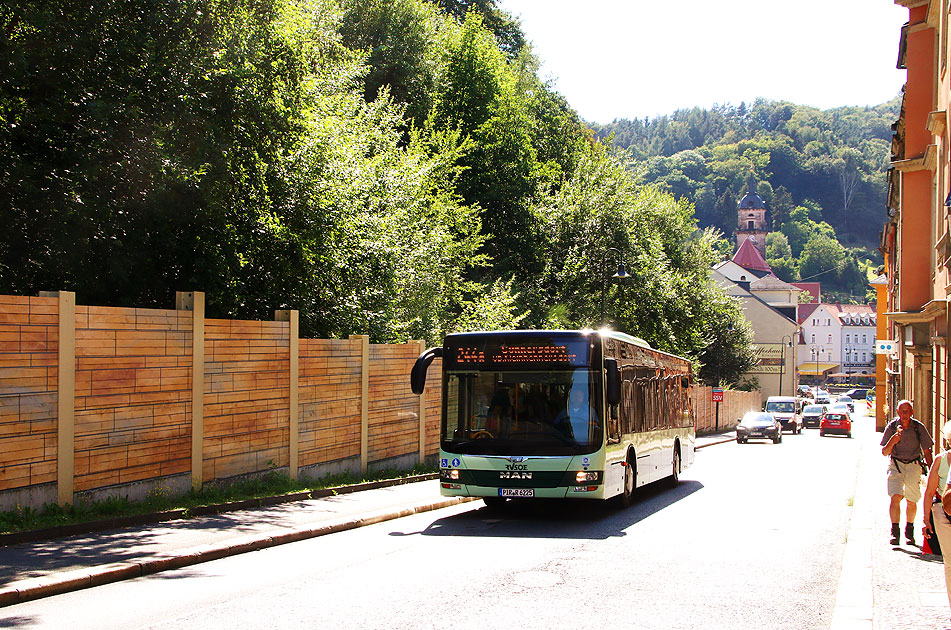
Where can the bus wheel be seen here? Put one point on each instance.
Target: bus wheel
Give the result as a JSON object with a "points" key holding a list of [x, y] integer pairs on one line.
{"points": [[624, 499], [674, 478]]}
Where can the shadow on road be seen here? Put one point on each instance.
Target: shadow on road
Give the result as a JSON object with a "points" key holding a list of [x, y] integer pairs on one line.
{"points": [[27, 560], [594, 520]]}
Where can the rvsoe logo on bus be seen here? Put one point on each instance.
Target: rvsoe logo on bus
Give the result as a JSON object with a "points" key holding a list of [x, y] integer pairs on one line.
{"points": [[717, 394]]}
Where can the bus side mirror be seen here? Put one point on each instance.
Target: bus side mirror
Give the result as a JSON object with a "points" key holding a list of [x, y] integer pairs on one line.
{"points": [[613, 384], [417, 378]]}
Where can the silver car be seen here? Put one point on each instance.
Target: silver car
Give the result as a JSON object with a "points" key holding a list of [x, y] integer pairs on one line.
{"points": [[845, 400]]}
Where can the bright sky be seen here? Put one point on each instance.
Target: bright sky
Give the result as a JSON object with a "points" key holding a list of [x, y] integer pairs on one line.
{"points": [[635, 58]]}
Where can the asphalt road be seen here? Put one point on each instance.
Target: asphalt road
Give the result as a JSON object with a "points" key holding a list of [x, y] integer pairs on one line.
{"points": [[752, 537]]}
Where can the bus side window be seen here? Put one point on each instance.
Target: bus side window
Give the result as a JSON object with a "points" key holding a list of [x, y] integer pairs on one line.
{"points": [[627, 406]]}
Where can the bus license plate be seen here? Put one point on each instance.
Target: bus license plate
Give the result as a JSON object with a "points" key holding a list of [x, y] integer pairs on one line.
{"points": [[516, 492]]}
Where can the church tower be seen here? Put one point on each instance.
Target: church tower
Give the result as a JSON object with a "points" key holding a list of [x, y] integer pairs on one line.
{"points": [[751, 219]]}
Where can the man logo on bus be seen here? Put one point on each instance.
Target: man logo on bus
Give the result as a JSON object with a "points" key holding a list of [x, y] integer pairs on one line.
{"points": [[515, 475]]}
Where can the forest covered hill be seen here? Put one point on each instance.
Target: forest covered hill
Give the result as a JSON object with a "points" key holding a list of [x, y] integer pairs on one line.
{"points": [[821, 173]]}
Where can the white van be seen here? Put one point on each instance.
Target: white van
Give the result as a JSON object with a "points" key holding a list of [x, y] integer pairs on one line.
{"points": [[784, 409]]}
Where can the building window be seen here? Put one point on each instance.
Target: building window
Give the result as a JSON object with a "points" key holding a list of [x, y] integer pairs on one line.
{"points": [[848, 339], [815, 322], [750, 224], [864, 338], [830, 339], [813, 339]]}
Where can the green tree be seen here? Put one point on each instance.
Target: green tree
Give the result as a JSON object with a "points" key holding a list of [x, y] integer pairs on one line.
{"points": [[403, 39], [822, 257]]}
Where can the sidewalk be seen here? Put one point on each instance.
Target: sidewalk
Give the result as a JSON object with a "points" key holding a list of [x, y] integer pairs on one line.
{"points": [[39, 569], [882, 587]]}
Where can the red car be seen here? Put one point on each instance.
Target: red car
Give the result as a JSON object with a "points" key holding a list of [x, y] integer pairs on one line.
{"points": [[835, 422]]}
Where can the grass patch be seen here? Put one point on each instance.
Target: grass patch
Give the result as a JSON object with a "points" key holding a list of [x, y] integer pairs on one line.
{"points": [[161, 499]]}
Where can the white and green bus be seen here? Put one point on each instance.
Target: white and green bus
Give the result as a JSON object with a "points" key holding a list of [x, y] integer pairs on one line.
{"points": [[578, 414]]}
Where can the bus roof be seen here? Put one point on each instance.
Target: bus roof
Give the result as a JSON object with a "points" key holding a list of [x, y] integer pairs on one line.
{"points": [[604, 332]]}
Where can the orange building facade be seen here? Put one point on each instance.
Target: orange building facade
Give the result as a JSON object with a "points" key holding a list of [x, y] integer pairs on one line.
{"points": [[914, 291]]}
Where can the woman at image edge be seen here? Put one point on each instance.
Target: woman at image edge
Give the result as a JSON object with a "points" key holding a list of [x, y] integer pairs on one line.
{"points": [[938, 478]]}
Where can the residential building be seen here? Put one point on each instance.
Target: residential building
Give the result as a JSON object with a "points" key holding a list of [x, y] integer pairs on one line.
{"points": [[770, 305], [915, 240], [857, 325], [820, 348]]}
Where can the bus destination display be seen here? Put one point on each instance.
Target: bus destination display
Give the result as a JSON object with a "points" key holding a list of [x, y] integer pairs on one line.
{"points": [[521, 355]]}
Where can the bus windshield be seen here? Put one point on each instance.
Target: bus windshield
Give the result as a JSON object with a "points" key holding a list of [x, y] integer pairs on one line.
{"points": [[522, 413]]}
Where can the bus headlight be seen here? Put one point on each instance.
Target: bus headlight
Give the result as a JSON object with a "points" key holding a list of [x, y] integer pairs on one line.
{"points": [[583, 476], [452, 474]]}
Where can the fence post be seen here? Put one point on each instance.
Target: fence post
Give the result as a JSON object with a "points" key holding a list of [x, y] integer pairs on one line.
{"points": [[66, 396], [364, 342], [293, 318], [194, 301]]}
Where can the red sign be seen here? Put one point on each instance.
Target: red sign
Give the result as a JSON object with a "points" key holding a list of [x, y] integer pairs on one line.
{"points": [[717, 394]]}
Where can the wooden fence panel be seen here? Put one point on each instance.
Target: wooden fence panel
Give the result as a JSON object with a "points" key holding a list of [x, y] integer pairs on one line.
{"points": [[28, 373], [394, 409], [329, 400], [133, 387], [247, 397]]}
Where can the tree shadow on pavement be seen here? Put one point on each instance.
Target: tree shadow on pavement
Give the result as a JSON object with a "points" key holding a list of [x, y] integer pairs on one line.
{"points": [[28, 560], [577, 519]]}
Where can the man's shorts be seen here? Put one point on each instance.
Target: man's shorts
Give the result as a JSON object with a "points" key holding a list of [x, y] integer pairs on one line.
{"points": [[904, 479]]}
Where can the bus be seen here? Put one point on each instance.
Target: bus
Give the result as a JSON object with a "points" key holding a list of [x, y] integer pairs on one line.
{"points": [[576, 414]]}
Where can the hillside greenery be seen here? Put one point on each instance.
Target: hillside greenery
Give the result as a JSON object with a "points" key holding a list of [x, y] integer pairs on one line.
{"points": [[394, 168], [820, 172]]}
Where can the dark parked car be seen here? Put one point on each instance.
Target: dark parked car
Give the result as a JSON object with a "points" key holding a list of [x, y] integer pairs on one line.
{"points": [[856, 394], [759, 425], [835, 422], [811, 415]]}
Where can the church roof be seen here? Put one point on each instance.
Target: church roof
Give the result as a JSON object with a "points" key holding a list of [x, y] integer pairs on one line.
{"points": [[748, 257], [752, 201]]}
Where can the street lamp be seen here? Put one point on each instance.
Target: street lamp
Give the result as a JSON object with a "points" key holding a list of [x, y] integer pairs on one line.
{"points": [[817, 349], [786, 343], [621, 273]]}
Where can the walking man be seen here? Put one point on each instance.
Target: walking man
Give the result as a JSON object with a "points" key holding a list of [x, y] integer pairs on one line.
{"points": [[905, 441]]}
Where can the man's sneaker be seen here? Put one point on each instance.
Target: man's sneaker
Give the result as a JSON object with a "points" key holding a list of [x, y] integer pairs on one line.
{"points": [[910, 534], [896, 534]]}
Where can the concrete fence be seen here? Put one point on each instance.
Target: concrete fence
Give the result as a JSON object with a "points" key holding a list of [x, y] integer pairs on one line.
{"points": [[734, 405], [98, 401]]}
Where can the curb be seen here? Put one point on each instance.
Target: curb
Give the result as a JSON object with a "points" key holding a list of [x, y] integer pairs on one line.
{"points": [[77, 579], [60, 531], [722, 441]]}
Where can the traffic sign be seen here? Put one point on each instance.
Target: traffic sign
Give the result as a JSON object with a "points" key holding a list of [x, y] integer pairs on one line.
{"points": [[717, 394], [886, 346]]}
